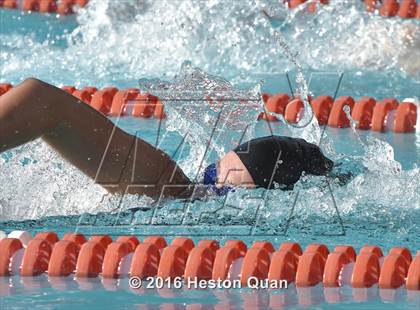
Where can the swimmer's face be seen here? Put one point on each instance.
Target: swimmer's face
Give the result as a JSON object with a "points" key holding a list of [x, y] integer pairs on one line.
{"points": [[231, 171]]}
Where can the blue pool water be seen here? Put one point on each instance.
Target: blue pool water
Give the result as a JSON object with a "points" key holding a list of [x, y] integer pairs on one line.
{"points": [[118, 43]]}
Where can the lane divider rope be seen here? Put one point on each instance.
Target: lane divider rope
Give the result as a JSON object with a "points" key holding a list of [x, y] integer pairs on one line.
{"points": [[368, 113], [62, 7], [385, 8], [20, 254]]}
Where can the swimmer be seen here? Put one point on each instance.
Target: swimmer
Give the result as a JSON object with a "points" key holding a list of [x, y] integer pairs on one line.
{"points": [[82, 135]]}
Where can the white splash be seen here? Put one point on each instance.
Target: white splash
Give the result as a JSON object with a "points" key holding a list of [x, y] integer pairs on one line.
{"points": [[120, 41], [36, 182]]}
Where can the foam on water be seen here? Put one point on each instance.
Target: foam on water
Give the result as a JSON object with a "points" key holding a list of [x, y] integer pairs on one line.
{"points": [[237, 39], [118, 41], [36, 182], [205, 108]]}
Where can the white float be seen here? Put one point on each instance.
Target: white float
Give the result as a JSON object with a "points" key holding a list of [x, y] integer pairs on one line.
{"points": [[22, 235]]}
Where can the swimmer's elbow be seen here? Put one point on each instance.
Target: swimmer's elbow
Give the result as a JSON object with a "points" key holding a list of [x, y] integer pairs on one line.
{"points": [[33, 82], [34, 85]]}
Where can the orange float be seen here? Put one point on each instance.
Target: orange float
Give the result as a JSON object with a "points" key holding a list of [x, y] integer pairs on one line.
{"points": [[111, 90], [320, 248], [78, 239], [321, 107], [90, 260], [145, 261], [366, 270], [333, 266], [132, 241], [389, 8], [338, 117], [256, 264], [36, 258], [200, 264], [267, 117], [268, 246], [5, 87], [401, 251], [158, 241], [276, 104], [291, 246], [393, 271], [293, 110], [283, 266], [120, 100], [418, 11], [172, 262], [310, 269], [104, 240], [380, 113], [265, 97], [159, 110], [363, 112], [30, 5], [47, 6], [65, 8], [224, 258], [8, 247], [90, 89], [81, 3], [113, 255], [295, 3], [69, 89], [405, 118], [313, 5], [213, 245], [63, 258], [144, 105], [186, 243], [10, 4], [413, 275], [407, 9], [238, 244], [49, 236], [347, 249], [372, 249], [372, 5], [83, 95], [102, 101]]}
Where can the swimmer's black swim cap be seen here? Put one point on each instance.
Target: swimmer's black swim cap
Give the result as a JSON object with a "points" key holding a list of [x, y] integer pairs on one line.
{"points": [[281, 160]]}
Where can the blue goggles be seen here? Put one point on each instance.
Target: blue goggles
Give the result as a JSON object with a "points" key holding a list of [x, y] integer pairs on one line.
{"points": [[210, 178]]}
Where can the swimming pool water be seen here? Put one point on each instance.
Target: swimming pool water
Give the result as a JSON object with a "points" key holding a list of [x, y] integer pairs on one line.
{"points": [[44, 293], [112, 45]]}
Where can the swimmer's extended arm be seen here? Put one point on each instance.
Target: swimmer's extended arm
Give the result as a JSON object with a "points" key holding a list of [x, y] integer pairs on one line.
{"points": [[115, 159]]}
